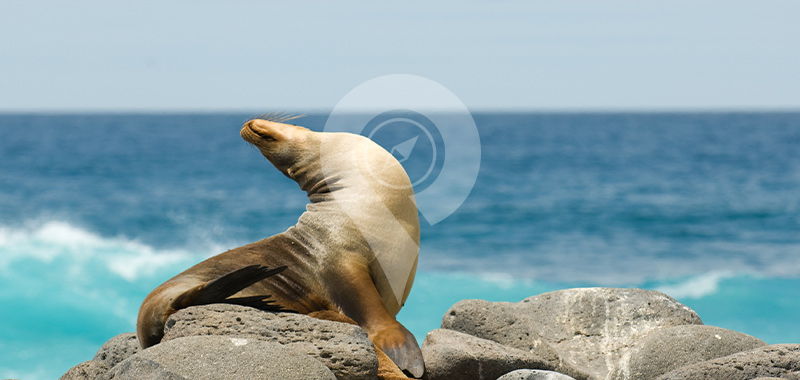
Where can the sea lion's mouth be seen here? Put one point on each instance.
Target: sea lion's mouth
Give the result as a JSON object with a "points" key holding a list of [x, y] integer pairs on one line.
{"points": [[248, 134]]}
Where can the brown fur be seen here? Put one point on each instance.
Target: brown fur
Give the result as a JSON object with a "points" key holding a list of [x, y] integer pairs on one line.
{"points": [[336, 254]]}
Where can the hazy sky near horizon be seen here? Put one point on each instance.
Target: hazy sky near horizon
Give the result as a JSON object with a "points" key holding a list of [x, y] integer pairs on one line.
{"points": [[524, 55]]}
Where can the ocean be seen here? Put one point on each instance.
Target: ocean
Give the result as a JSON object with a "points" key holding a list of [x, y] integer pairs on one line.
{"points": [[98, 209]]}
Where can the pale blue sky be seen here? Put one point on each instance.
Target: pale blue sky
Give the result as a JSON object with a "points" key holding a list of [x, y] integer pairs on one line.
{"points": [[253, 55]]}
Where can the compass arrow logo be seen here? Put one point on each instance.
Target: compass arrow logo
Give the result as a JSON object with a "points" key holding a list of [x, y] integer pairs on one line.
{"points": [[404, 148], [402, 151]]}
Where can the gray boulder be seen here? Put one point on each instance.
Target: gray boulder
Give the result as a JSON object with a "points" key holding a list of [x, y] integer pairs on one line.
{"points": [[590, 328], [342, 347], [673, 347], [140, 369], [118, 349], [534, 374], [780, 360], [219, 357], [450, 354], [89, 370]]}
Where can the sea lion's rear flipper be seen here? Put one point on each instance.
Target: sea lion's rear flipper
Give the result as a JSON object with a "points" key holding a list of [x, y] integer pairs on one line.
{"points": [[218, 290], [259, 302]]}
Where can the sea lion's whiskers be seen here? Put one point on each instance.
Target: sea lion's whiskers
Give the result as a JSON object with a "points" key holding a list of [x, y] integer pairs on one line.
{"points": [[277, 117]]}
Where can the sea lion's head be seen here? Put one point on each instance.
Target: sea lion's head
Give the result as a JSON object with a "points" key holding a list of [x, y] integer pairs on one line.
{"points": [[318, 161], [292, 149]]}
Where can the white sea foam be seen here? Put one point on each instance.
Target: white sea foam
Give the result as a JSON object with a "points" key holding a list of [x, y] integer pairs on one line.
{"points": [[146, 261], [504, 280], [75, 246], [696, 287], [65, 234]]}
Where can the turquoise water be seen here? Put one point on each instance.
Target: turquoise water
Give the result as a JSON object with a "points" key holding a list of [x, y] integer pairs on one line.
{"points": [[96, 210]]}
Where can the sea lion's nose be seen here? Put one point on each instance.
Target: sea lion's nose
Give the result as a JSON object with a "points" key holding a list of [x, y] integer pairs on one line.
{"points": [[245, 129], [250, 124], [257, 125], [265, 130], [249, 131]]}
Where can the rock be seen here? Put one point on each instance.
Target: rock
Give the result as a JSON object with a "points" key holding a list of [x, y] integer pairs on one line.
{"points": [[140, 369], [342, 347], [534, 374], [673, 347], [450, 354], [780, 360], [89, 370], [219, 357], [118, 349], [590, 328]]}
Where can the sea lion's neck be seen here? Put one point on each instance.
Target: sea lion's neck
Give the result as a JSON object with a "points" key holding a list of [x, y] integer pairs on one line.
{"points": [[309, 177], [349, 207], [361, 205], [326, 226]]}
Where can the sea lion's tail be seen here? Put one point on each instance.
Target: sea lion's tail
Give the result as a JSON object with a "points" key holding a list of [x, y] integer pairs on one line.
{"points": [[220, 289]]}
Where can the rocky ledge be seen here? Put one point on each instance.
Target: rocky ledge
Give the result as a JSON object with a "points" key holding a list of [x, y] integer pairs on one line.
{"points": [[578, 334]]}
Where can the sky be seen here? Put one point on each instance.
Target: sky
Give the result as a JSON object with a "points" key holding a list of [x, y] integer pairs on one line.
{"points": [[499, 55]]}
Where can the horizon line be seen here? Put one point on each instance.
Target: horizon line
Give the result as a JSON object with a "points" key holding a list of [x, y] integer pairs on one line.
{"points": [[319, 110]]}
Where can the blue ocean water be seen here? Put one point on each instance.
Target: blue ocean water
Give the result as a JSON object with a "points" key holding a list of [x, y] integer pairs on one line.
{"points": [[98, 209]]}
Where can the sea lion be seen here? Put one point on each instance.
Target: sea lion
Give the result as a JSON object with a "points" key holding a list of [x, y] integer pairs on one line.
{"points": [[353, 251]]}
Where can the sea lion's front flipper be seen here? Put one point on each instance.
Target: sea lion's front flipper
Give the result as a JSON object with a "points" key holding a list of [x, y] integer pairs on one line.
{"points": [[387, 370], [356, 295], [401, 346], [219, 289]]}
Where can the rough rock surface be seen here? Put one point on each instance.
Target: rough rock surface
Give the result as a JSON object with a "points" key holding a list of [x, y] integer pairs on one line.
{"points": [[780, 360], [534, 374], [140, 369], [118, 349], [453, 355], [230, 358], [590, 328], [594, 333], [89, 370], [669, 348], [344, 348]]}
